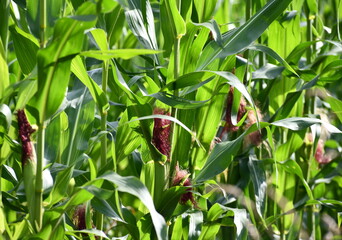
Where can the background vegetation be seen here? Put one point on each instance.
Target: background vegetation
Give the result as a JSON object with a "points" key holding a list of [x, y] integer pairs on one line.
{"points": [[184, 119]]}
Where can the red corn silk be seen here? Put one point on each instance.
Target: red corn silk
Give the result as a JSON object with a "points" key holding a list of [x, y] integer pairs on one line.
{"points": [[180, 175], [161, 133], [79, 217], [255, 137], [320, 157], [25, 131]]}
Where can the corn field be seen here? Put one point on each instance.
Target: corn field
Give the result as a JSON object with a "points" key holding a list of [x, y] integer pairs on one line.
{"points": [[170, 119]]}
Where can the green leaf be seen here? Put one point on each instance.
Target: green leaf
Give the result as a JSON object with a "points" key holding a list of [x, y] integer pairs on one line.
{"points": [[177, 229], [242, 37], [299, 123], [258, 178], [195, 224], [126, 139], [336, 106], [203, 76], [5, 117], [100, 38], [274, 55], [60, 186], [140, 19], [78, 68], [176, 26], [169, 201], [214, 28], [55, 60], [178, 102], [3, 71], [26, 48], [133, 186], [81, 117], [94, 232], [117, 53], [215, 212], [205, 9], [175, 120], [293, 167], [103, 206], [219, 159], [268, 71]]}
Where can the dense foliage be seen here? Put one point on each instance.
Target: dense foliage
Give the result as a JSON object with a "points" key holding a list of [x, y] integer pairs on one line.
{"points": [[184, 119]]}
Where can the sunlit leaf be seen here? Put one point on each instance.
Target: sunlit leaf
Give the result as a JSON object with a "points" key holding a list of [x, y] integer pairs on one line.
{"points": [[117, 53], [133, 186], [242, 37]]}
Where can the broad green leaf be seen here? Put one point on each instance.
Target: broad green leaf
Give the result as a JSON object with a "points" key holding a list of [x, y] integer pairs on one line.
{"points": [[3, 71], [195, 224], [53, 12], [3, 221], [215, 212], [294, 141], [210, 231], [59, 187], [133, 186], [203, 76], [293, 167], [243, 36], [336, 106], [4, 19], [102, 206], [313, 7], [298, 123], [177, 23], [114, 24], [177, 229], [178, 102], [169, 201], [107, 5], [100, 38], [274, 55], [78, 68], [79, 197], [117, 53], [214, 29], [33, 7], [140, 19], [127, 140], [176, 27], [219, 159], [5, 117], [258, 178], [55, 60], [291, 99], [267, 71], [94, 232], [168, 118], [190, 79], [26, 90], [205, 9], [26, 48], [81, 117]]}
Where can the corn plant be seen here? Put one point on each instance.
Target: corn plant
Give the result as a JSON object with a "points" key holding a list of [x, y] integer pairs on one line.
{"points": [[145, 119]]}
